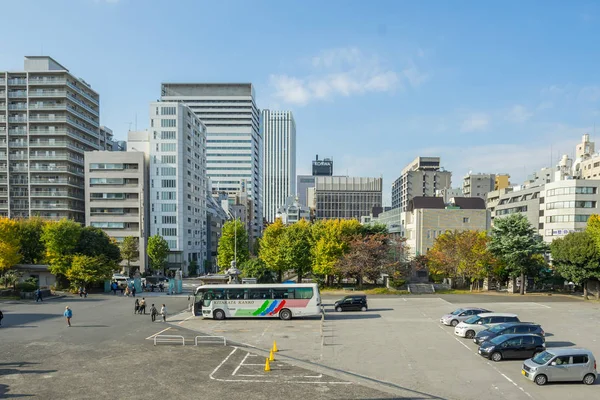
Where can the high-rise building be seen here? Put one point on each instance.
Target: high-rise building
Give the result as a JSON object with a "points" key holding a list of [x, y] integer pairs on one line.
{"points": [[106, 138], [305, 183], [116, 192], [178, 185], [234, 152], [279, 160], [346, 197], [48, 119], [477, 185], [422, 177], [322, 167]]}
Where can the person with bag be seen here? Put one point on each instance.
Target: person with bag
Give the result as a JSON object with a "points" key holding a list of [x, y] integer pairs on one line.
{"points": [[163, 312], [68, 315], [153, 313], [143, 306], [137, 306]]}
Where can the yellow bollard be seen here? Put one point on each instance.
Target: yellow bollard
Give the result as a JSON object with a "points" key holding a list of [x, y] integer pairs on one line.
{"points": [[267, 366], [271, 357], [275, 347]]}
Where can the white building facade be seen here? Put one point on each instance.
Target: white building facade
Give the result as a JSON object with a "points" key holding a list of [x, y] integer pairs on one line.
{"points": [[279, 160], [292, 211], [178, 184]]}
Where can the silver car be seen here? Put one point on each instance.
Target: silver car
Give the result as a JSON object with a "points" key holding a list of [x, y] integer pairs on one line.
{"points": [[480, 322], [561, 365], [461, 314]]}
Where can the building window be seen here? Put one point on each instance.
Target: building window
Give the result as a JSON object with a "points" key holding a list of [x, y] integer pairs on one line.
{"points": [[169, 231], [168, 110], [168, 195], [465, 220], [109, 225], [168, 147], [168, 207], [168, 123], [168, 159], [169, 219], [168, 171], [168, 183], [167, 135], [106, 181]]}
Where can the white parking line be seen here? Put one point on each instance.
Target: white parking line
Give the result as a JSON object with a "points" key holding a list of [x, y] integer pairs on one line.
{"points": [[158, 333], [542, 305], [239, 366], [181, 322]]}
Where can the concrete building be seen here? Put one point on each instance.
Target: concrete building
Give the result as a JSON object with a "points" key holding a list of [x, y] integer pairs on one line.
{"points": [[449, 193], [429, 217], [492, 199], [215, 218], [502, 181], [48, 119], [106, 138], [178, 184], [345, 197], [234, 151], [279, 160], [116, 192], [521, 199], [422, 177], [304, 183], [322, 167], [477, 185], [292, 211]]}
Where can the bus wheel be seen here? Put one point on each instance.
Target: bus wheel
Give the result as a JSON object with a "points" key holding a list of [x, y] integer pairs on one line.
{"points": [[219, 314], [285, 314]]}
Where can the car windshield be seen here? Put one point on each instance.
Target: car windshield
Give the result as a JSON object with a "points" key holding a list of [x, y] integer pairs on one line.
{"points": [[542, 358], [497, 328], [457, 311], [473, 319], [498, 339]]}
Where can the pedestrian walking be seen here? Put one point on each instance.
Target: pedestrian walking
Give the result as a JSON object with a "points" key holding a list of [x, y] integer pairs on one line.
{"points": [[127, 291], [143, 306], [80, 291], [137, 306], [153, 313], [114, 287], [84, 293], [38, 295], [161, 287], [2, 315], [68, 315], [133, 290], [163, 312]]}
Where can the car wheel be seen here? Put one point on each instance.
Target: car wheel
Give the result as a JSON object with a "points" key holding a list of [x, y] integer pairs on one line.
{"points": [[589, 379], [285, 314], [219, 314], [470, 334], [541, 379], [496, 356], [454, 322], [338, 309], [363, 308]]}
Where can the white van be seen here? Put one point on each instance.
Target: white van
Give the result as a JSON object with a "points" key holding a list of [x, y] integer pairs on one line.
{"points": [[477, 323], [121, 280]]}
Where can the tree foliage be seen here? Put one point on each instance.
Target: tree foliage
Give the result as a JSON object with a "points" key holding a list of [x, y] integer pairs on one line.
{"points": [[367, 257], [130, 250], [296, 248], [270, 249], [158, 250], [514, 241], [576, 257], [257, 268], [61, 239], [30, 239], [94, 242], [87, 269], [233, 241], [330, 241], [9, 244]]}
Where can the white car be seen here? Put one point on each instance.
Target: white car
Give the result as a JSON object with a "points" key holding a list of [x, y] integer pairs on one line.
{"points": [[461, 314], [469, 328]]}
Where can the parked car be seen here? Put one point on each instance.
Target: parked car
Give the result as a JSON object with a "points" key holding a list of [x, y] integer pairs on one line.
{"points": [[122, 280], [461, 314], [356, 302], [508, 328], [478, 323], [561, 365], [512, 346]]}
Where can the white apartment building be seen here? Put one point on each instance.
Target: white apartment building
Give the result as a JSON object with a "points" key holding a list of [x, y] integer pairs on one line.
{"points": [[292, 211], [48, 119], [178, 184], [234, 151], [279, 160], [116, 192]]}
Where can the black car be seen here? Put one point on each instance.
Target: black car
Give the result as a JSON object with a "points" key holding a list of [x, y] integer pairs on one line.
{"points": [[352, 303], [508, 328], [512, 346]]}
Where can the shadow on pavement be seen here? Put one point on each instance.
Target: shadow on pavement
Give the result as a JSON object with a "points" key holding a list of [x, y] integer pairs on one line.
{"points": [[559, 344], [17, 363], [89, 326], [12, 371], [14, 320], [5, 395]]}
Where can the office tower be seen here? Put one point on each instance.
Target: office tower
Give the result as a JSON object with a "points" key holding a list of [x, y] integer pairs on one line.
{"points": [[116, 192], [48, 119], [422, 177], [322, 167], [234, 152], [177, 148], [345, 197], [279, 155]]}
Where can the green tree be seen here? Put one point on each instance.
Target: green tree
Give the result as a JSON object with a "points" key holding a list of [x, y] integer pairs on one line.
{"points": [[368, 257], [193, 268], [375, 229], [270, 249], [130, 250], [295, 247], [257, 268], [9, 244], [89, 269], [61, 240], [576, 258], [233, 244], [515, 242], [30, 239], [11, 278], [95, 242], [158, 250]]}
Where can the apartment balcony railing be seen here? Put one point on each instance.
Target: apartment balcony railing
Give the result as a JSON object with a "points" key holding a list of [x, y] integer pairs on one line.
{"points": [[46, 81], [18, 156], [2, 81], [18, 106], [82, 115], [21, 119], [17, 95], [53, 193], [82, 92], [2, 107], [55, 181], [17, 81], [47, 106], [17, 143], [19, 194], [47, 93], [67, 132], [17, 131], [42, 206], [2, 118], [47, 118], [62, 157], [60, 168]]}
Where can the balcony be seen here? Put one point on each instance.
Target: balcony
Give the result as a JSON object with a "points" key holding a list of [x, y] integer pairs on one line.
{"points": [[82, 115], [55, 181], [53, 206], [47, 93], [17, 106], [17, 131], [2, 118], [17, 143], [47, 118], [62, 157], [46, 81], [2, 156], [82, 92], [20, 120], [54, 194], [18, 81], [18, 156], [2, 107], [23, 193], [47, 106], [17, 95], [58, 132], [54, 169]]}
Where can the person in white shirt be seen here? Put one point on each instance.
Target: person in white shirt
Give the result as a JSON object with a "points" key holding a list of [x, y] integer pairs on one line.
{"points": [[163, 312]]}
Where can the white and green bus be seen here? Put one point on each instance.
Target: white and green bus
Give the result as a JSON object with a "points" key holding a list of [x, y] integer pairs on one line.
{"points": [[284, 300]]}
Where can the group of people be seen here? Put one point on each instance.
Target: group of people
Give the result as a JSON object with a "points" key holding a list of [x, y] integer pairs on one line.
{"points": [[82, 291], [140, 308]]}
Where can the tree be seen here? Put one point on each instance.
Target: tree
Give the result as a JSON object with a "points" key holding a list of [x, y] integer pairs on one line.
{"points": [[374, 229], [270, 249], [367, 257], [158, 250], [233, 244], [593, 228], [257, 268], [61, 240], [130, 250], [95, 242], [30, 239], [11, 278], [88, 269], [193, 268], [514, 241], [576, 258], [9, 244], [295, 248]]}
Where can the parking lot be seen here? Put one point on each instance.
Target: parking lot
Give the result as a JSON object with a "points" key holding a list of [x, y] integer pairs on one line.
{"points": [[399, 346]]}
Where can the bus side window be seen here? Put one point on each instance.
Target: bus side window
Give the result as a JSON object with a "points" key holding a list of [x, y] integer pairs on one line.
{"points": [[235, 294], [304, 293], [259, 294], [219, 294]]}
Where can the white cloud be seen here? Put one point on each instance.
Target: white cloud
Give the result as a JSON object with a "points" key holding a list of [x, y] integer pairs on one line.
{"points": [[475, 122], [343, 72], [519, 114]]}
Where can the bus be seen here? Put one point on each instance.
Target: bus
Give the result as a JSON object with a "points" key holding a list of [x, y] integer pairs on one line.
{"points": [[257, 300]]}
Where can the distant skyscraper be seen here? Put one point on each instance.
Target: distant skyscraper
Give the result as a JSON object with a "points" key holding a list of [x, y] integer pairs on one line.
{"points": [[322, 167], [279, 155], [234, 151]]}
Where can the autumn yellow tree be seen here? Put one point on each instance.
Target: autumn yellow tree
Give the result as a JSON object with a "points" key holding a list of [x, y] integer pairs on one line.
{"points": [[10, 253]]}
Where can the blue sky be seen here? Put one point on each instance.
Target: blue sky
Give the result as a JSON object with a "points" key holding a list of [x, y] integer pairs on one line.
{"points": [[488, 86]]}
